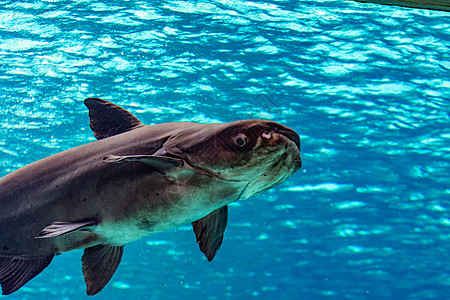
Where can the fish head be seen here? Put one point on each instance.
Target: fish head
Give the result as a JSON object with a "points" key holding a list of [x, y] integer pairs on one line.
{"points": [[258, 153]]}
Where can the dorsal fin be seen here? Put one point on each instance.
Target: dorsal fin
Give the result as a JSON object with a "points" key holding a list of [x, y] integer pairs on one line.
{"points": [[108, 119]]}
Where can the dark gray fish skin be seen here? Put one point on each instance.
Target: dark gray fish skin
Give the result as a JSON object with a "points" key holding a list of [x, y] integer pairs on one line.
{"points": [[442, 5], [134, 181]]}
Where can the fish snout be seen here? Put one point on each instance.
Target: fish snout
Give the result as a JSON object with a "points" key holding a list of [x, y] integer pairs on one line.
{"points": [[291, 141], [286, 132], [291, 135]]}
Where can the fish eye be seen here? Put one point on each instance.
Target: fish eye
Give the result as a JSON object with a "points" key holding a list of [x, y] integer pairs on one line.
{"points": [[240, 140]]}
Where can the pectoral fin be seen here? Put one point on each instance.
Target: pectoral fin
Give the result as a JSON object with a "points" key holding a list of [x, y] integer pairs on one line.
{"points": [[59, 228], [99, 264], [162, 164], [209, 231], [15, 271]]}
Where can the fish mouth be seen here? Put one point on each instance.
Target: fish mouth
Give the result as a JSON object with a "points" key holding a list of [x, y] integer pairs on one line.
{"points": [[295, 138], [291, 135]]}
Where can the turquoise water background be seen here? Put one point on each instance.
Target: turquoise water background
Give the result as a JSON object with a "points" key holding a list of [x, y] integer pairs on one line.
{"points": [[367, 87]]}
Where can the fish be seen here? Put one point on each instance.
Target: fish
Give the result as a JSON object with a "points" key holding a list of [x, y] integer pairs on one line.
{"points": [[133, 181], [441, 5]]}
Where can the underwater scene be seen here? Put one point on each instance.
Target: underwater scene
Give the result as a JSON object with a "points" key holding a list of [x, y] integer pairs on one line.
{"points": [[366, 87]]}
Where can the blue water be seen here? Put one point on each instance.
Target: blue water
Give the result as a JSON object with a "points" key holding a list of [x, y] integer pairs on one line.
{"points": [[366, 86]]}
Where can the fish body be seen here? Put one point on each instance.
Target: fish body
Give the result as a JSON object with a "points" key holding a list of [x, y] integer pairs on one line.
{"points": [[134, 181]]}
